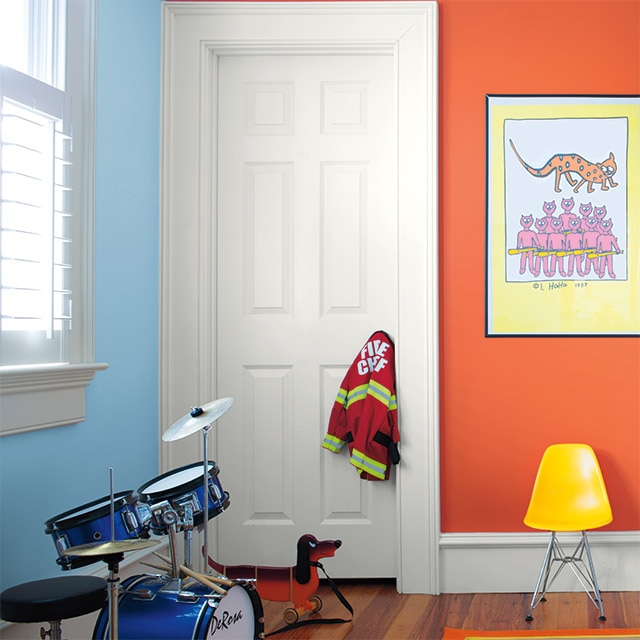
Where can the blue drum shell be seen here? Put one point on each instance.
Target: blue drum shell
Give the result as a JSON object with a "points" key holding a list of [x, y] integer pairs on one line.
{"points": [[91, 523]]}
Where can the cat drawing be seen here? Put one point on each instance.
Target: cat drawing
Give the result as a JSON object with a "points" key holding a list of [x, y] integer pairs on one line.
{"points": [[571, 163], [567, 214], [527, 239], [549, 207]]}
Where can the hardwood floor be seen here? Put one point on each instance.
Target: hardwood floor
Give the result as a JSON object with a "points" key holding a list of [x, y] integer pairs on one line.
{"points": [[380, 613]]}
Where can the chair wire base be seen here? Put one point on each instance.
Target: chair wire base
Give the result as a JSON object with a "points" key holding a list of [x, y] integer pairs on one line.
{"points": [[584, 571]]}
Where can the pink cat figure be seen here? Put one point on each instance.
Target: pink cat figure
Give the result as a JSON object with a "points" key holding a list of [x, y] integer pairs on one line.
{"points": [[567, 205], [556, 244], [573, 245], [542, 238], [607, 243], [527, 239], [585, 211], [589, 244], [600, 212], [549, 208]]}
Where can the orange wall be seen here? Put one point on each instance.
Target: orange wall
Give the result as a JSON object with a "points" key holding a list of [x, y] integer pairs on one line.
{"points": [[503, 400]]}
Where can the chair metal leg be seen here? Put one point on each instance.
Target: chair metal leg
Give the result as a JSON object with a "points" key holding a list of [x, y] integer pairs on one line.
{"points": [[585, 573], [594, 580], [543, 577]]}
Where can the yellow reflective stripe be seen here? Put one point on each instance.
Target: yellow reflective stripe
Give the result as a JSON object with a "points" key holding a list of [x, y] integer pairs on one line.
{"points": [[375, 468], [332, 443], [342, 396], [373, 389], [356, 394], [380, 392]]}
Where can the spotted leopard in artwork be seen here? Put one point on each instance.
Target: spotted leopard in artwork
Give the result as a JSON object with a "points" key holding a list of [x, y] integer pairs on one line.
{"points": [[566, 164]]}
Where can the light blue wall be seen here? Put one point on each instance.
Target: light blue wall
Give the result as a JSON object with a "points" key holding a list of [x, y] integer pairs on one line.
{"points": [[47, 472]]}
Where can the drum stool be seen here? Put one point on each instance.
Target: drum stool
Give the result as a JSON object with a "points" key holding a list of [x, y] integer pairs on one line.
{"points": [[53, 600]]}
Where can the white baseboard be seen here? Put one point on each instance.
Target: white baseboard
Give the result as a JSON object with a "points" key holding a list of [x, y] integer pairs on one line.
{"points": [[510, 562]]}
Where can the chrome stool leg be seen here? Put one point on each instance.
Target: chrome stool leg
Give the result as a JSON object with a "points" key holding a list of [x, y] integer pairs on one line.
{"points": [[584, 571]]}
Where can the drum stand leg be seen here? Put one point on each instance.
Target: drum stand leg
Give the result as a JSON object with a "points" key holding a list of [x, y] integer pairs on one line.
{"points": [[175, 584], [113, 562], [54, 632], [187, 529]]}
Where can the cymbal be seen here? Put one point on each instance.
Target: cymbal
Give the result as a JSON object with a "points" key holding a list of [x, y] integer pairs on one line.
{"points": [[197, 419], [109, 547]]}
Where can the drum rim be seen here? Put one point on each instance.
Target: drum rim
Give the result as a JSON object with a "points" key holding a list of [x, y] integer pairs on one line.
{"points": [[256, 602], [256, 605], [169, 493], [70, 521]]}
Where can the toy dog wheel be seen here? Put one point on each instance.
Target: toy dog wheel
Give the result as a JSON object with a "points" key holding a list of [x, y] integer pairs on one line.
{"points": [[316, 602], [290, 616]]}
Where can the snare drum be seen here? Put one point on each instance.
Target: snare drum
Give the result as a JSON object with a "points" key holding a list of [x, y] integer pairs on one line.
{"points": [[184, 488], [148, 610], [92, 523]]}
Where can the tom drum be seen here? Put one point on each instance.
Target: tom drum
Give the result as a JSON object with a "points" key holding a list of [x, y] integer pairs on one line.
{"points": [[91, 522], [181, 489]]}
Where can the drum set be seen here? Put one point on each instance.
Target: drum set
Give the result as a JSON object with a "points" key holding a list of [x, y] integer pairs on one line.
{"points": [[177, 602]]}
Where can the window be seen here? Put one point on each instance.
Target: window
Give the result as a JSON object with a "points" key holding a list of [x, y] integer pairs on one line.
{"points": [[46, 214]]}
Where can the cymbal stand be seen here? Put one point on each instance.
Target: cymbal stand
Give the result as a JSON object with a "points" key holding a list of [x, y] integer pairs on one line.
{"points": [[113, 562], [205, 480], [206, 415]]}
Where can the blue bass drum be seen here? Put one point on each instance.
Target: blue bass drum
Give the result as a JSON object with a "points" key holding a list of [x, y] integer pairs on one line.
{"points": [[149, 610]]}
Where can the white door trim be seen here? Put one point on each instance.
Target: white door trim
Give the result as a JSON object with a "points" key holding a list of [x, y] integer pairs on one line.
{"points": [[191, 46]]}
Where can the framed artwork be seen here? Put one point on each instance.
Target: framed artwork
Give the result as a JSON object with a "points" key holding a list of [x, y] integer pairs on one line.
{"points": [[563, 216]]}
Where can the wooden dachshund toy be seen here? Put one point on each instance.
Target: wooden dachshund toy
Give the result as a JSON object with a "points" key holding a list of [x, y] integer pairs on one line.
{"points": [[288, 584]]}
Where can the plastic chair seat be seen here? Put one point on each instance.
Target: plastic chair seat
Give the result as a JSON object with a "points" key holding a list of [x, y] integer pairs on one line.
{"points": [[569, 492]]}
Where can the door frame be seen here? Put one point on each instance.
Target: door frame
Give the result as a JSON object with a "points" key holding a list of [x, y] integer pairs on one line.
{"points": [[195, 35]]}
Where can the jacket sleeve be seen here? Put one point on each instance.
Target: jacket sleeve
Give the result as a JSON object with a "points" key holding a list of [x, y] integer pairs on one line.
{"points": [[337, 430]]}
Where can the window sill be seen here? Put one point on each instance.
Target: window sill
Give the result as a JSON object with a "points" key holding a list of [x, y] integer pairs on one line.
{"points": [[40, 397]]}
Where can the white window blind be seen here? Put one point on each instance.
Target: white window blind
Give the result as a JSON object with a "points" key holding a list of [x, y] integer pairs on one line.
{"points": [[47, 106], [35, 223]]}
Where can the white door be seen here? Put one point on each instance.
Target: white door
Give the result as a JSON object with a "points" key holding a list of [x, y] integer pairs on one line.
{"points": [[307, 270], [271, 254]]}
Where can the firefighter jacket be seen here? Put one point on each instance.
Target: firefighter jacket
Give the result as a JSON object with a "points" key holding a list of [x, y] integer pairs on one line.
{"points": [[365, 412]]}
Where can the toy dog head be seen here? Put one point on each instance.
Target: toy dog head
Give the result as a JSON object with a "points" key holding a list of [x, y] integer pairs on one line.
{"points": [[310, 549]]}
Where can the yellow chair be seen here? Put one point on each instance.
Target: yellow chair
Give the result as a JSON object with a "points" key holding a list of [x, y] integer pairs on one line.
{"points": [[568, 495]]}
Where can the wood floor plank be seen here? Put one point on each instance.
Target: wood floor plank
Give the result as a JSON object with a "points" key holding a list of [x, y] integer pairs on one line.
{"points": [[629, 609], [411, 618], [376, 619], [380, 613]]}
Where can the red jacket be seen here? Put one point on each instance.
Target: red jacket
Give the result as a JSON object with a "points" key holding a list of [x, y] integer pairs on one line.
{"points": [[365, 412]]}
